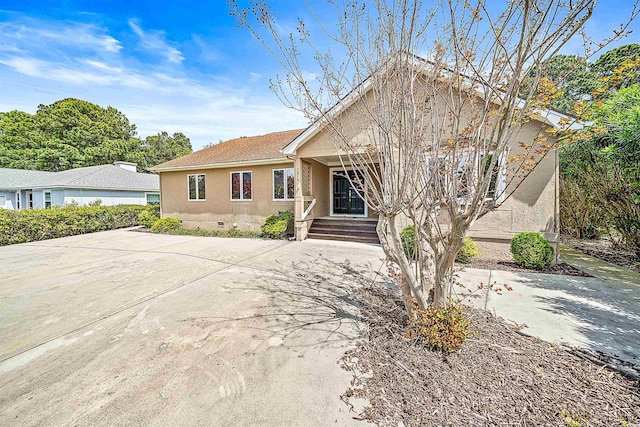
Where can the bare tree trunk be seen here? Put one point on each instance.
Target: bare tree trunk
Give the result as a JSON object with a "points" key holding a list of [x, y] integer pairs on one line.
{"points": [[392, 246]]}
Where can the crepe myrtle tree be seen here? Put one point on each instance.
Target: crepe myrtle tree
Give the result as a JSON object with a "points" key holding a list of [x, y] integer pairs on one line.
{"points": [[421, 100]]}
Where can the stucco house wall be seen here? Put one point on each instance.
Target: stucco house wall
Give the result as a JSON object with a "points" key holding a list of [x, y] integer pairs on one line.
{"points": [[532, 207], [218, 211]]}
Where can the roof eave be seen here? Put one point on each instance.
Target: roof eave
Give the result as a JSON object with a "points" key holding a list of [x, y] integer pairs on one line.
{"points": [[222, 165], [308, 133]]}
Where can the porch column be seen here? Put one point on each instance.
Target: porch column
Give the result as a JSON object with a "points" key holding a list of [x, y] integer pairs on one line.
{"points": [[300, 225]]}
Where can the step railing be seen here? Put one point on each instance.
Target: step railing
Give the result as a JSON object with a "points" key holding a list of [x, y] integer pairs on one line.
{"points": [[307, 211]]}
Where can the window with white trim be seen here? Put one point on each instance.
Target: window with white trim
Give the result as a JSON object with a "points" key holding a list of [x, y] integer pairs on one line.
{"points": [[153, 199], [47, 199], [283, 184], [241, 185], [197, 185], [464, 174]]}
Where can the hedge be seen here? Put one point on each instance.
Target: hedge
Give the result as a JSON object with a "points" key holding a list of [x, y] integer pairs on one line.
{"points": [[41, 224]]}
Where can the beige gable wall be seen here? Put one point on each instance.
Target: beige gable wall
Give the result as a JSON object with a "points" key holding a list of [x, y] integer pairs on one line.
{"points": [[218, 206]]}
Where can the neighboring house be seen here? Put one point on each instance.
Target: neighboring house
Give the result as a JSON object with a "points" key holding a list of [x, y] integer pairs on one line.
{"points": [[112, 184], [239, 182]]}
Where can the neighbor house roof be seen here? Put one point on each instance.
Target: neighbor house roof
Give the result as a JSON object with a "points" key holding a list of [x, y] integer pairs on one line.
{"points": [[19, 178], [106, 177], [259, 149]]}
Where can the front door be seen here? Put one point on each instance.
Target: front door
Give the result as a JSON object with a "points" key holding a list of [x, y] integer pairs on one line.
{"points": [[29, 197], [346, 199]]}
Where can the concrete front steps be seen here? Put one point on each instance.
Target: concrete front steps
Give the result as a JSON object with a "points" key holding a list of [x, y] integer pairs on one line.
{"points": [[345, 229]]}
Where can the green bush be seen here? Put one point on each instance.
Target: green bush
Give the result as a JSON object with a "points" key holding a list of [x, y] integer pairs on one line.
{"points": [[442, 329], [40, 224], [232, 232], [277, 225], [468, 251], [148, 217], [165, 225], [408, 239], [531, 250]]}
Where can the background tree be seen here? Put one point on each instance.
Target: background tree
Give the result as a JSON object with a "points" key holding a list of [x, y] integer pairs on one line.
{"points": [[161, 148], [73, 133], [600, 171], [609, 62], [572, 75], [426, 137]]}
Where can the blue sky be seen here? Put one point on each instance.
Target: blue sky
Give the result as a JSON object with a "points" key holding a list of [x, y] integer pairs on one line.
{"points": [[167, 65]]}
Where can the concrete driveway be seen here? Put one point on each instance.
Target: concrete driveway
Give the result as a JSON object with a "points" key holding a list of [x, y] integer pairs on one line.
{"points": [[126, 328]]}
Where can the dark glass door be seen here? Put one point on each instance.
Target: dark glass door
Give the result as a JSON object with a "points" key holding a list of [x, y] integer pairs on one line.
{"points": [[346, 199]]}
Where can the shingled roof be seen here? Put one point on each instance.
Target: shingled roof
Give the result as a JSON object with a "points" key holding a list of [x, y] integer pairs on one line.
{"points": [[97, 177], [245, 149]]}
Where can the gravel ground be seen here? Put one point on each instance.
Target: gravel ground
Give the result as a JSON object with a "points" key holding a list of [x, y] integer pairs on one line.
{"points": [[499, 377], [493, 264], [605, 251]]}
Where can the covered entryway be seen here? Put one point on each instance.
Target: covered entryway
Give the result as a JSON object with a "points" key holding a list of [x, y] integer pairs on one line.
{"points": [[327, 194]]}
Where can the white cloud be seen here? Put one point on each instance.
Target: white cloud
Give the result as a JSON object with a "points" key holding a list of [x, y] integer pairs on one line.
{"points": [[44, 61], [154, 41], [31, 33]]}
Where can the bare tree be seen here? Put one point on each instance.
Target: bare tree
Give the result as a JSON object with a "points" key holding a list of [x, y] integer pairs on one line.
{"points": [[423, 102]]}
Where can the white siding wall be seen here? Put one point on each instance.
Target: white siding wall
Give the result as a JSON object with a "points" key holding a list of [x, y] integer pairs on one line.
{"points": [[38, 199], [9, 198], [109, 198]]}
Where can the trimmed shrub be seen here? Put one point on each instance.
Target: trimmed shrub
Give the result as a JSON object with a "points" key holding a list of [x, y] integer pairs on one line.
{"points": [[277, 225], [165, 225], [232, 232], [408, 239], [148, 217], [531, 250], [468, 251], [439, 328], [41, 224]]}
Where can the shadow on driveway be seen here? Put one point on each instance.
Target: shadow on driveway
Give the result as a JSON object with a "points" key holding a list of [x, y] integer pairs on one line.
{"points": [[311, 295]]}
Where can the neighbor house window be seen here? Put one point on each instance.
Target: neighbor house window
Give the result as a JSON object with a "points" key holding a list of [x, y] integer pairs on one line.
{"points": [[47, 199], [241, 185], [18, 201], [283, 184], [153, 199], [196, 187]]}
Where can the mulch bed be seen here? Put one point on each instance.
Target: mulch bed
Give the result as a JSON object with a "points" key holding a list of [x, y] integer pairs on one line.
{"points": [[604, 250], [493, 264], [498, 378]]}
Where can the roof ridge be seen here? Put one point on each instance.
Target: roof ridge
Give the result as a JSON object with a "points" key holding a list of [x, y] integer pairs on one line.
{"points": [[98, 168]]}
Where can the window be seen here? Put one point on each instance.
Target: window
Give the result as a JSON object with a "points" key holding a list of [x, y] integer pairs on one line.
{"points": [[466, 174], [283, 184], [240, 185], [196, 187], [18, 201], [47, 199], [495, 175], [153, 199]]}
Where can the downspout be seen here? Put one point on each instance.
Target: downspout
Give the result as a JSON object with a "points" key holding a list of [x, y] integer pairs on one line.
{"points": [[556, 203]]}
